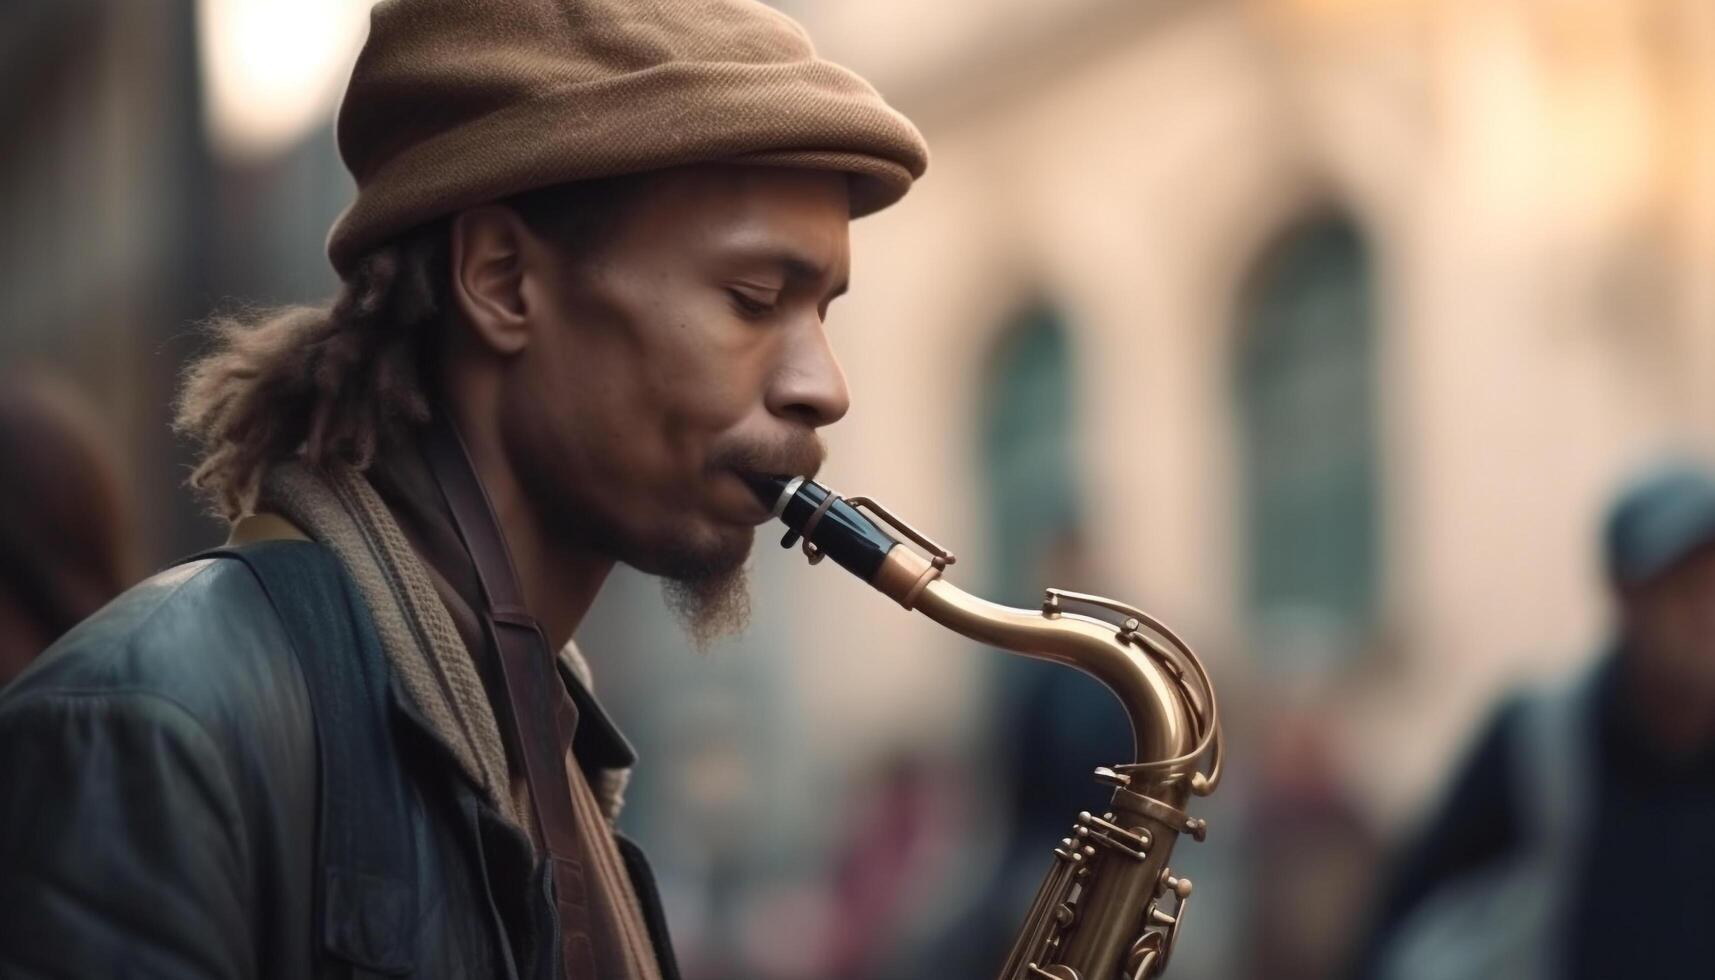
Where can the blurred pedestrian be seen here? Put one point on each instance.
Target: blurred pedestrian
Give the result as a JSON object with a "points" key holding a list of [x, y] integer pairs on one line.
{"points": [[65, 536], [1575, 841]]}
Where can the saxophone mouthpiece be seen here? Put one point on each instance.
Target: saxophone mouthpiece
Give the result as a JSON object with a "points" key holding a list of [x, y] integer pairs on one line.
{"points": [[773, 490], [823, 519]]}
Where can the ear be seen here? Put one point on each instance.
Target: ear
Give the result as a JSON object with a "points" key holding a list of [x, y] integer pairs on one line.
{"points": [[488, 276]]}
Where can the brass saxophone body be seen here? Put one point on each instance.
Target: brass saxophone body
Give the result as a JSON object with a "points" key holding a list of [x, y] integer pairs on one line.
{"points": [[1110, 907]]}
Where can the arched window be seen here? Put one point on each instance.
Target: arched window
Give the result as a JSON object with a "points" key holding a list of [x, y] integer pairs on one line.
{"points": [[1054, 725], [1306, 394], [1027, 435]]}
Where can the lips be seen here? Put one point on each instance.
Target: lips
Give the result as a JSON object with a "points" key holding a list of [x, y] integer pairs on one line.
{"points": [[766, 486], [748, 496], [761, 469]]}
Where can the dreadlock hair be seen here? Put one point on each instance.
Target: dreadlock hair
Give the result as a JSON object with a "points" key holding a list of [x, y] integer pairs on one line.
{"points": [[335, 385]]}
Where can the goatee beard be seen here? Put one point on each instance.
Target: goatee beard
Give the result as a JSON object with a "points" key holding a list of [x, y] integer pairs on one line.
{"points": [[710, 606]]}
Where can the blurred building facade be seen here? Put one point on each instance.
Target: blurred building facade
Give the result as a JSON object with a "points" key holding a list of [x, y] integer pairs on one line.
{"points": [[1320, 328], [1369, 305], [1447, 259]]}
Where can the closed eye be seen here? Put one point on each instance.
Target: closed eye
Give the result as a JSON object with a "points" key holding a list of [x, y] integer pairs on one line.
{"points": [[748, 304]]}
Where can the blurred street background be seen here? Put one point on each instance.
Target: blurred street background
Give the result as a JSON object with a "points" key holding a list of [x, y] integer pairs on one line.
{"points": [[1321, 329]]}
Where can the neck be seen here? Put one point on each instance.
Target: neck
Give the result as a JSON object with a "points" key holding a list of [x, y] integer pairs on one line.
{"points": [[559, 584]]}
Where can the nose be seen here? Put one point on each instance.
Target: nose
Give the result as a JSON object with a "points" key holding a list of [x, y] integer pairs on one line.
{"points": [[809, 386]]}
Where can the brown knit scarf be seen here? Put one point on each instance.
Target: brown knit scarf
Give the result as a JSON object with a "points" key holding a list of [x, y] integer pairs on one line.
{"points": [[343, 512]]}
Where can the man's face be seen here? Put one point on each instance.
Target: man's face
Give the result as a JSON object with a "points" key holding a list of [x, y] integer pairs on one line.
{"points": [[1673, 622], [687, 351]]}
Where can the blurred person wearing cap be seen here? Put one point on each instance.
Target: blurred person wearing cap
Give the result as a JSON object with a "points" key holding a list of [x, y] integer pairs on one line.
{"points": [[65, 531], [1575, 840], [584, 283]]}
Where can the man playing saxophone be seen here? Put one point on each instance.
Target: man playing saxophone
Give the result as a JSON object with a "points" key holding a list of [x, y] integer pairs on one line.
{"points": [[584, 285]]}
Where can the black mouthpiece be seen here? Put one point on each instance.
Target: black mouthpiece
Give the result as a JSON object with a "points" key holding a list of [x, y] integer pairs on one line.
{"points": [[836, 528], [768, 489]]}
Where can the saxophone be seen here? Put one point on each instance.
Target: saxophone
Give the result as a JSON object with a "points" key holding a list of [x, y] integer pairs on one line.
{"points": [[1110, 907]]}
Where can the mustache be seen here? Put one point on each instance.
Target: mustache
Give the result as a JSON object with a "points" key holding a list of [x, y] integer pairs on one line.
{"points": [[799, 455]]}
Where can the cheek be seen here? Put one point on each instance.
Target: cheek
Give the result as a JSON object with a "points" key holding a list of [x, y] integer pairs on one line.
{"points": [[565, 409], [713, 397], [648, 381], [1702, 632], [707, 378]]}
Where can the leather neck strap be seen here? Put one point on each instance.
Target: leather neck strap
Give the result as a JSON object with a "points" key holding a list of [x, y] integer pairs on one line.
{"points": [[532, 684]]}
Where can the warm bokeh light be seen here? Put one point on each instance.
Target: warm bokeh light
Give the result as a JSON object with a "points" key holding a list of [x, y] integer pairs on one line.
{"points": [[274, 68]]}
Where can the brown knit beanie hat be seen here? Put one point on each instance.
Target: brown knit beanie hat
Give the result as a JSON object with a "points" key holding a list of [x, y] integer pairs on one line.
{"points": [[455, 103]]}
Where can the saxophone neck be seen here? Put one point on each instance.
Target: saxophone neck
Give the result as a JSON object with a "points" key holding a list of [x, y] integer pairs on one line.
{"points": [[1160, 683], [1168, 705]]}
